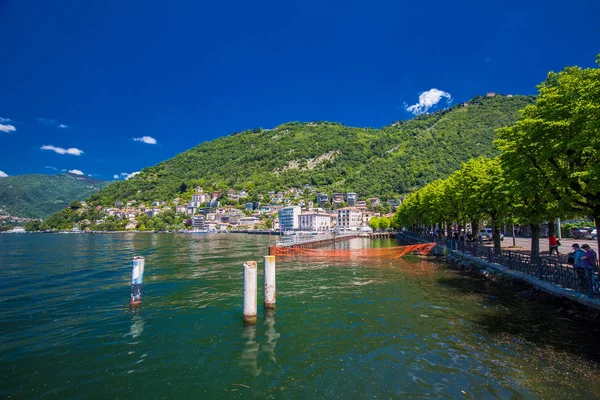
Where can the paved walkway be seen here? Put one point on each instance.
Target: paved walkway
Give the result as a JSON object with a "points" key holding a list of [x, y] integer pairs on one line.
{"points": [[524, 245]]}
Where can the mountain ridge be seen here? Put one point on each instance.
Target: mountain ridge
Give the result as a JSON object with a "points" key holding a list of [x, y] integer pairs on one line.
{"points": [[40, 195], [385, 162]]}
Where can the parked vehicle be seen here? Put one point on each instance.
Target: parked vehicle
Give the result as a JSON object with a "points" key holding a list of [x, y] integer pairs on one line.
{"points": [[593, 235], [487, 234], [580, 233]]}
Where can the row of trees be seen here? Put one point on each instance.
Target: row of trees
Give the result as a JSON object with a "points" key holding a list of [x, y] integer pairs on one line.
{"points": [[382, 223], [549, 166]]}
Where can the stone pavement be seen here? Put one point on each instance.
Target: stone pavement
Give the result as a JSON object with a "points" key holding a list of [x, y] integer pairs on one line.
{"points": [[524, 245]]}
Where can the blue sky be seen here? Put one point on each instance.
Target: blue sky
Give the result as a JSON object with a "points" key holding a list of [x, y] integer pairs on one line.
{"points": [[86, 78]]}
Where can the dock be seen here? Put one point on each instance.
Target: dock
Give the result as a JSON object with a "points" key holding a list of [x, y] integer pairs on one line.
{"points": [[307, 241]]}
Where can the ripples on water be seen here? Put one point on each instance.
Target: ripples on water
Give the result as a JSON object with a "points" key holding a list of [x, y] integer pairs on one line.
{"points": [[344, 328]]}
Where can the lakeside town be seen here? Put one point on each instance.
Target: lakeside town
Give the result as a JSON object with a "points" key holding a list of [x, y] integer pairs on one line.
{"points": [[231, 210]]}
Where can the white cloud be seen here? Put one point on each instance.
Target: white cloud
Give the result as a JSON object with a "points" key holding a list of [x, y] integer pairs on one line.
{"points": [[146, 139], [60, 150], [427, 100], [115, 176], [3, 174], [3, 120], [7, 128], [76, 172], [49, 167], [131, 175], [51, 122]]}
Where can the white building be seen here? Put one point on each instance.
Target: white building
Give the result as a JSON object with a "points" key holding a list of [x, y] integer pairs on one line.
{"points": [[288, 218], [248, 221], [314, 222], [190, 210], [198, 222], [349, 218], [197, 200]]}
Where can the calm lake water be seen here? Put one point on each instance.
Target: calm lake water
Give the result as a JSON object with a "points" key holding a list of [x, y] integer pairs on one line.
{"points": [[343, 328]]}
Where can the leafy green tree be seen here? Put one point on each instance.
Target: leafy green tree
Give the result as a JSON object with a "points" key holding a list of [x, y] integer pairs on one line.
{"points": [[33, 226], [374, 223], [489, 191], [384, 223], [160, 225], [342, 204], [557, 141]]}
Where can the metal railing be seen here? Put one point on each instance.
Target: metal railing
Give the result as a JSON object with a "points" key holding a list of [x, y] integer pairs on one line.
{"points": [[543, 268]]}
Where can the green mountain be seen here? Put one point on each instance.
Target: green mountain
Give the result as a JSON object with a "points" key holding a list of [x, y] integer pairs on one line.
{"points": [[39, 196], [329, 156]]}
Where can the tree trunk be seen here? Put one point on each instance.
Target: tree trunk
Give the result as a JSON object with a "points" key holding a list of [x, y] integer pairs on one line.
{"points": [[475, 224], [551, 228], [535, 241], [496, 237], [513, 236], [597, 221]]}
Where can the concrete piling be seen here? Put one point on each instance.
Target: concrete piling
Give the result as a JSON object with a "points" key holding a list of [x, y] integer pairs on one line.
{"points": [[270, 292], [250, 289], [137, 280]]}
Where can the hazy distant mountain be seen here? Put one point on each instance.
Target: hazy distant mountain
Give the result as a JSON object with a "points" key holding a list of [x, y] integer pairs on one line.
{"points": [[39, 196]]}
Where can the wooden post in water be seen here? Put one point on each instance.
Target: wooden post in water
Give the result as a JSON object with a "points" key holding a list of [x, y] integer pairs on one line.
{"points": [[137, 280], [270, 292], [250, 289]]}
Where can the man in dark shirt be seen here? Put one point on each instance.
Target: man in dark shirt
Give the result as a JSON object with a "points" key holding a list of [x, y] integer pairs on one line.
{"points": [[588, 261]]}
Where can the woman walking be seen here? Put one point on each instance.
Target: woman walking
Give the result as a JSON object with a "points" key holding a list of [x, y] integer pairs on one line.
{"points": [[554, 243]]}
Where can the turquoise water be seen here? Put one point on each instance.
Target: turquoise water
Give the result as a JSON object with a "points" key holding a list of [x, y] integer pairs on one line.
{"points": [[343, 328]]}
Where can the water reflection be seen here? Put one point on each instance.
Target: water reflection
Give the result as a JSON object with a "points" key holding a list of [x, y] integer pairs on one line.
{"points": [[248, 359], [137, 327], [135, 331], [271, 334]]}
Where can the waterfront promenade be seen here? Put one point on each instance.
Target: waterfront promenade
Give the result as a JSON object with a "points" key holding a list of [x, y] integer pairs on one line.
{"points": [[548, 273], [523, 245]]}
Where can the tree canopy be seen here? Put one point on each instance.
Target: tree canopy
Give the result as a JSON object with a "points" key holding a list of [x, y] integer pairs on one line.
{"points": [[548, 166]]}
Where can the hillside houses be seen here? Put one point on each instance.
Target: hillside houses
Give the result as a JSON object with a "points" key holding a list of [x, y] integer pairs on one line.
{"points": [[301, 209]]}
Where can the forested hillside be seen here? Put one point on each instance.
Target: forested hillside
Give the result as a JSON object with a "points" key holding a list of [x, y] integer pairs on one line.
{"points": [[382, 162], [39, 196]]}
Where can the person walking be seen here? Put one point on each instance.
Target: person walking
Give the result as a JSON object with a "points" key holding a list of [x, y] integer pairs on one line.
{"points": [[589, 261], [579, 269], [553, 244]]}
